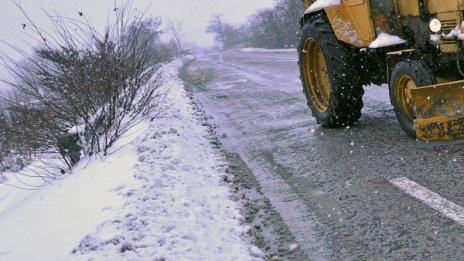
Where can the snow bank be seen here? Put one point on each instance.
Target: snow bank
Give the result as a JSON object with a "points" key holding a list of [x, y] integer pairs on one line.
{"points": [[263, 50], [177, 207], [47, 223], [384, 40], [160, 195], [321, 4]]}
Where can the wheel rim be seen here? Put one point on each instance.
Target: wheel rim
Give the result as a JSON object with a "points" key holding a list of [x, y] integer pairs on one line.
{"points": [[316, 75], [404, 98]]}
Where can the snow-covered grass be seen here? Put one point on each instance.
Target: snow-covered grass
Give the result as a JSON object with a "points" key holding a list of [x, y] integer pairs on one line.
{"points": [[159, 195]]}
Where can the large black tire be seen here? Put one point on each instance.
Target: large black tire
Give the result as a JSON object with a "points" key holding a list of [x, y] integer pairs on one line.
{"points": [[333, 91], [405, 75]]}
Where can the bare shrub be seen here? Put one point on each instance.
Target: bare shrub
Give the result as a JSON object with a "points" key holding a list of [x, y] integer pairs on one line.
{"points": [[83, 84]]}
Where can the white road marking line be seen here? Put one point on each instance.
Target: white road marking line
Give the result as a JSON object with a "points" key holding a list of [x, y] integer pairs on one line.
{"points": [[430, 198]]}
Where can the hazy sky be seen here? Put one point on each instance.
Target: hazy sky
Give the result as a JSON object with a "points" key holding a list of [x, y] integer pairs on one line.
{"points": [[194, 14]]}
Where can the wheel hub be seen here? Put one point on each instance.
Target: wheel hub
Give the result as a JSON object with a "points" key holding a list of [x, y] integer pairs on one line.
{"points": [[316, 75], [405, 101]]}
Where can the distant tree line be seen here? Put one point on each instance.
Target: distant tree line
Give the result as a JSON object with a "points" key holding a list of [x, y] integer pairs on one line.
{"points": [[275, 27]]}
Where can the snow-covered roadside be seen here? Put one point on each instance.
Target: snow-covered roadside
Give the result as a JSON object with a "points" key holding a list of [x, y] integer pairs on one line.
{"points": [[161, 197]]}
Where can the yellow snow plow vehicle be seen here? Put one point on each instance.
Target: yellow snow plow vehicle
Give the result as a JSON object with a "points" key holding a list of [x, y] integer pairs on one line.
{"points": [[416, 46]]}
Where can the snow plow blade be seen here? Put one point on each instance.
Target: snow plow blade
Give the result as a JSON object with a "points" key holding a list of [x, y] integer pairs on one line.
{"points": [[439, 111]]}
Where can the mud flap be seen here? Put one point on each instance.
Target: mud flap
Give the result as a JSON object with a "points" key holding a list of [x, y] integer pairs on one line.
{"points": [[439, 111]]}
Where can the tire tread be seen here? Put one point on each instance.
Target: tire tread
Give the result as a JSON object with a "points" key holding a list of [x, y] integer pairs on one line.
{"points": [[346, 89]]}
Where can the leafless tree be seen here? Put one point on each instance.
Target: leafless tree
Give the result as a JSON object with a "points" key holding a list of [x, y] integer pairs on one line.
{"points": [[175, 29], [275, 27], [225, 33], [81, 85]]}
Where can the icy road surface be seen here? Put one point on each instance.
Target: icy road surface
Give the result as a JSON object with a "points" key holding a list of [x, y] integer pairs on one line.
{"points": [[362, 193]]}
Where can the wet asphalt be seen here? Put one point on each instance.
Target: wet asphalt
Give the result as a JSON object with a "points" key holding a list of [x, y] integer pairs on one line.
{"points": [[331, 187]]}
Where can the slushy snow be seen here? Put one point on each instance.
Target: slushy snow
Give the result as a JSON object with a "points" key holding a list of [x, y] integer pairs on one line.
{"points": [[159, 195]]}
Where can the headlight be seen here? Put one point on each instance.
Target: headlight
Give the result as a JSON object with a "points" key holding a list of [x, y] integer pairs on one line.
{"points": [[435, 25]]}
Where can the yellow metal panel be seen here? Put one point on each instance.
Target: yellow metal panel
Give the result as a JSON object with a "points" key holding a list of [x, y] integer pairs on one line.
{"points": [[444, 99], [449, 21], [449, 48], [440, 128], [440, 111], [452, 18], [441, 6], [354, 2], [408, 7], [352, 23]]}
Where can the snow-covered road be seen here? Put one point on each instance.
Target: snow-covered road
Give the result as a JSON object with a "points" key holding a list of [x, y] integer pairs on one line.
{"points": [[333, 187]]}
